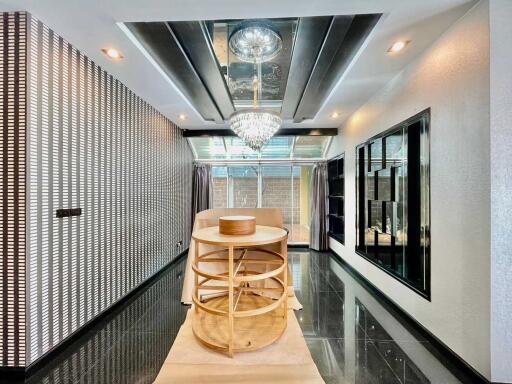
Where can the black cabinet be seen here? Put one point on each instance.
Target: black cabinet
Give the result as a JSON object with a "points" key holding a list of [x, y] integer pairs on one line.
{"points": [[336, 193]]}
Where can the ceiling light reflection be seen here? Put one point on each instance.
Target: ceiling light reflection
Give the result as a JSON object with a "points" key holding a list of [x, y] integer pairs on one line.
{"points": [[112, 53], [397, 46]]}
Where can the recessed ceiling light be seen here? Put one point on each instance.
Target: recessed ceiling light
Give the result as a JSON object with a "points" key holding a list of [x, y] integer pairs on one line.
{"points": [[397, 46], [112, 53], [335, 115], [182, 117]]}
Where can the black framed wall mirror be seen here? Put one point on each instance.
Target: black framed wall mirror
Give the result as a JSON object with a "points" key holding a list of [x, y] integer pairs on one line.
{"points": [[393, 201]]}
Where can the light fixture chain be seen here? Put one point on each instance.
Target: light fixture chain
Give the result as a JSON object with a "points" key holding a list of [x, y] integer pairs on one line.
{"points": [[255, 85], [258, 43]]}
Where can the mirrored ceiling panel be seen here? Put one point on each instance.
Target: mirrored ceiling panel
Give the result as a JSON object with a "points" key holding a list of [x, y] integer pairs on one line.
{"points": [[314, 53], [239, 74]]}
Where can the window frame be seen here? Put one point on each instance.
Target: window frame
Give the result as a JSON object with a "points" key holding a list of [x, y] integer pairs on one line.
{"points": [[260, 165]]}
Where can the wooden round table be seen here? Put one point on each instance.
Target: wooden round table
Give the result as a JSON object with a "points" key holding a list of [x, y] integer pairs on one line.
{"points": [[237, 314]]}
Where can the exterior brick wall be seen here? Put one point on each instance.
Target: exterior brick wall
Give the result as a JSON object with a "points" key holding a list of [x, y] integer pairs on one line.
{"points": [[276, 194], [220, 192], [245, 192]]}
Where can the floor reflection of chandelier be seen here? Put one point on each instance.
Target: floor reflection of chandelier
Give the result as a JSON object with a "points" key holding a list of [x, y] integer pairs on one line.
{"points": [[257, 42]]}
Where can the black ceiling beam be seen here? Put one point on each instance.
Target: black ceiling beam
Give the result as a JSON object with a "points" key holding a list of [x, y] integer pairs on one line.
{"points": [[345, 36], [281, 132], [195, 40], [162, 44], [309, 37]]}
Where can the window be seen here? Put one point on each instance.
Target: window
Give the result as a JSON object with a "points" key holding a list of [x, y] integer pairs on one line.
{"points": [[278, 191], [278, 176], [209, 148], [278, 147], [393, 202], [307, 147], [220, 187], [243, 186], [285, 186]]}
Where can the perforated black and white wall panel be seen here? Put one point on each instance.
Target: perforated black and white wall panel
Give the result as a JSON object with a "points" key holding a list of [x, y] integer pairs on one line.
{"points": [[96, 145], [12, 187], [91, 143]]}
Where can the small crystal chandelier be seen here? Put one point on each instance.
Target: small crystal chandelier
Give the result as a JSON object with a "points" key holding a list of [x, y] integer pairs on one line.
{"points": [[256, 42]]}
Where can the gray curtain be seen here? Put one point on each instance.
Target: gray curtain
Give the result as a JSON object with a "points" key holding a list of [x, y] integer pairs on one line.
{"points": [[319, 239], [201, 189]]}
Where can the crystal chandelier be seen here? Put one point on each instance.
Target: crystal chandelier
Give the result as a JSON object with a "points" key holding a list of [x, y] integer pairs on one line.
{"points": [[255, 126], [256, 42]]}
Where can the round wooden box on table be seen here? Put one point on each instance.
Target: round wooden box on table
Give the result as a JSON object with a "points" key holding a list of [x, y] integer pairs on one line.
{"points": [[233, 310], [237, 225]]}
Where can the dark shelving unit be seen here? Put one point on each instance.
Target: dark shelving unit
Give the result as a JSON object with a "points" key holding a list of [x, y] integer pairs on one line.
{"points": [[336, 190]]}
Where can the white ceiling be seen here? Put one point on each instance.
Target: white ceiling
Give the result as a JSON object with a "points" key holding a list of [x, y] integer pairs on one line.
{"points": [[93, 24]]}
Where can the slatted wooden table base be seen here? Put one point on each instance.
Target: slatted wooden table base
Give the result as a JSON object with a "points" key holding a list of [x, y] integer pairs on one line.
{"points": [[233, 312]]}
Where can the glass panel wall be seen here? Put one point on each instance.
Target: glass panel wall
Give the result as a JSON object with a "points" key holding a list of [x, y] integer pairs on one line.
{"points": [[307, 147], [209, 148], [243, 186], [302, 203], [236, 149], [220, 187], [287, 187], [277, 190], [278, 147]]}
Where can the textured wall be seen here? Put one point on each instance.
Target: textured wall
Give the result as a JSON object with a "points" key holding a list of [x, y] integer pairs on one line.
{"points": [[452, 78], [12, 187], [501, 185], [90, 143]]}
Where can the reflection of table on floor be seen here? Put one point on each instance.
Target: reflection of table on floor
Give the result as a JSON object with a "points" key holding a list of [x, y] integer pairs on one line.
{"points": [[235, 315]]}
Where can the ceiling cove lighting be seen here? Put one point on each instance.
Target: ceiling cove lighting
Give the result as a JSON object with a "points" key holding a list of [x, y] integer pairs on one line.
{"points": [[257, 42], [112, 53], [397, 46], [157, 66]]}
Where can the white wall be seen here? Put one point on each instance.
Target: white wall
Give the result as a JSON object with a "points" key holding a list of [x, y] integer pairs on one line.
{"points": [[452, 78], [501, 187]]}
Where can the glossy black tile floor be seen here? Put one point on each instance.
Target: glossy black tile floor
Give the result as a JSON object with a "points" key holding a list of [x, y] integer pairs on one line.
{"points": [[352, 336]]}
